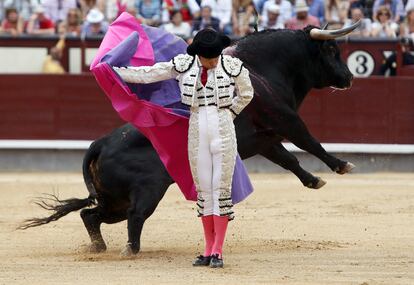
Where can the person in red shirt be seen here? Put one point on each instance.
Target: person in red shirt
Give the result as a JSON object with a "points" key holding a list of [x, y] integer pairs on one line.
{"points": [[12, 24], [39, 24], [302, 18]]}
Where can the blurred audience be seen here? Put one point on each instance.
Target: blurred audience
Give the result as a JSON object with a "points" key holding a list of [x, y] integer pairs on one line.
{"points": [[407, 26], [233, 17], [177, 26], [259, 5], [302, 18], [364, 30], [336, 12], [73, 23], [395, 6], [189, 9], [40, 24], [114, 8], [242, 17], [95, 24], [285, 8], [57, 10], [25, 8], [317, 9], [12, 24], [383, 25], [221, 9], [149, 12], [52, 64], [273, 12], [206, 20], [87, 5]]}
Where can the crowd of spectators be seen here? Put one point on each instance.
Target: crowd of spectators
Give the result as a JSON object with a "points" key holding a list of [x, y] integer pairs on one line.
{"points": [[380, 18]]}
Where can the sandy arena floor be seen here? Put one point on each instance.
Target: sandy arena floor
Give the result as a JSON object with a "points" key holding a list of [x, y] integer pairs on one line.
{"points": [[358, 229]]}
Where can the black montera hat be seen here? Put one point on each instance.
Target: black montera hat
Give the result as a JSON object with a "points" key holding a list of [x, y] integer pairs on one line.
{"points": [[208, 43]]}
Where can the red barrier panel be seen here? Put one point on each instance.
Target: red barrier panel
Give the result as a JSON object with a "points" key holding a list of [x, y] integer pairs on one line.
{"points": [[54, 107], [374, 110]]}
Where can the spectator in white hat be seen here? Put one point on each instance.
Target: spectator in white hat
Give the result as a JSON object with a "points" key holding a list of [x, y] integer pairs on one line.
{"points": [[273, 12], [39, 23], [87, 5], [95, 25], [285, 13], [302, 18]]}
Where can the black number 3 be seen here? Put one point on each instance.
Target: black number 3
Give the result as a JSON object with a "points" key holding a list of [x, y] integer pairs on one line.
{"points": [[362, 64]]}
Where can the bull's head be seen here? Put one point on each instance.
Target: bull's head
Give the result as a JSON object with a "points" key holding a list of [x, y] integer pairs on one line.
{"points": [[334, 72]]}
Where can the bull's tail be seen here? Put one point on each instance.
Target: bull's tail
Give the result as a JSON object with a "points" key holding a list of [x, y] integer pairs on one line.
{"points": [[89, 159], [59, 207]]}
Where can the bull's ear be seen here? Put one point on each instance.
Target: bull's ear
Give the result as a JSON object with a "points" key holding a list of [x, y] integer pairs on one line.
{"points": [[307, 29]]}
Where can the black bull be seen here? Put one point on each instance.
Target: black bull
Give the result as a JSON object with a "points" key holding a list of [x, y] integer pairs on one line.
{"points": [[126, 178]]}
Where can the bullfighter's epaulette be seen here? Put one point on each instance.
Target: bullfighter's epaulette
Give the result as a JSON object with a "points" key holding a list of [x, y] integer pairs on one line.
{"points": [[183, 62], [231, 65]]}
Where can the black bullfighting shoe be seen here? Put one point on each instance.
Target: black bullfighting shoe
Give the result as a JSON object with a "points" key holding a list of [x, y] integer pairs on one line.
{"points": [[202, 260], [216, 262]]}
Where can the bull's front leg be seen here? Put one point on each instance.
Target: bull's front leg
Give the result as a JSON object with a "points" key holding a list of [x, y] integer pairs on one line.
{"points": [[279, 155], [144, 201], [295, 130]]}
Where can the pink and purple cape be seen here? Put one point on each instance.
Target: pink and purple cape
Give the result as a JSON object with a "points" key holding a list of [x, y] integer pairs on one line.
{"points": [[154, 109]]}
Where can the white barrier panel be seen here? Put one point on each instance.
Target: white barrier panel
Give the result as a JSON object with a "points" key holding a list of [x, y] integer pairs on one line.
{"points": [[329, 147], [22, 60]]}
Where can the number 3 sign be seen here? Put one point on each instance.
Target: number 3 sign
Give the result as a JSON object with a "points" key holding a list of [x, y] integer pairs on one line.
{"points": [[361, 63]]}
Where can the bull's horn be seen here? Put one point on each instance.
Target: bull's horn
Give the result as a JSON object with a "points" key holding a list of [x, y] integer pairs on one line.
{"points": [[318, 34]]}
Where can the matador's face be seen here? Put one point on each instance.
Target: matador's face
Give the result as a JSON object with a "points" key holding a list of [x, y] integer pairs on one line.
{"points": [[208, 62]]}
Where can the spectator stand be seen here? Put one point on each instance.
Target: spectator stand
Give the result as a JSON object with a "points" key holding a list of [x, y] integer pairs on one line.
{"points": [[25, 54]]}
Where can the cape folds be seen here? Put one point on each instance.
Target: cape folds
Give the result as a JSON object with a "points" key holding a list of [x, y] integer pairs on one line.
{"points": [[154, 109]]}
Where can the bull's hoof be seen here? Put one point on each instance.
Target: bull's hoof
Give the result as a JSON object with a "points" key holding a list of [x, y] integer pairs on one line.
{"points": [[346, 168], [97, 247], [128, 251], [316, 183]]}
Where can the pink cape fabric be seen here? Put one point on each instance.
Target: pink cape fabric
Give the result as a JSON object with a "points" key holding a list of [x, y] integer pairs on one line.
{"points": [[155, 109], [157, 123], [119, 30]]}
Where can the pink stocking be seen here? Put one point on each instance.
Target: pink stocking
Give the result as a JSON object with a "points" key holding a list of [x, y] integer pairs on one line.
{"points": [[208, 225], [220, 227]]}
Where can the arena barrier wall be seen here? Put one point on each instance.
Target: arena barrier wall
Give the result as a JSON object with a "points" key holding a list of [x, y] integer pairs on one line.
{"points": [[48, 121], [375, 110]]}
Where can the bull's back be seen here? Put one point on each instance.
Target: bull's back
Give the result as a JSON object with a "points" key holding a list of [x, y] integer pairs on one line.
{"points": [[126, 158]]}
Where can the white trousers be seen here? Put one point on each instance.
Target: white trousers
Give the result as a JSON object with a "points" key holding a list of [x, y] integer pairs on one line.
{"points": [[212, 150]]}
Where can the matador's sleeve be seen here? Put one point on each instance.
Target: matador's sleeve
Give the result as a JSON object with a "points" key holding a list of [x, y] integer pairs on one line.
{"points": [[244, 91], [147, 74]]}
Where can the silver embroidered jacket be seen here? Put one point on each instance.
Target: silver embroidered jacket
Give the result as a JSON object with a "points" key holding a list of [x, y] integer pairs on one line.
{"points": [[230, 75]]}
